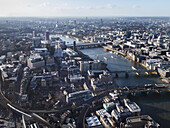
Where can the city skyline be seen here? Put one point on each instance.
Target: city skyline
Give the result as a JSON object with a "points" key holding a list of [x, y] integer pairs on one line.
{"points": [[77, 8], [77, 72]]}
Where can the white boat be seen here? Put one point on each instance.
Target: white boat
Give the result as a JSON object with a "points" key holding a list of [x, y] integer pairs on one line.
{"points": [[77, 39], [105, 58], [133, 68], [112, 57]]}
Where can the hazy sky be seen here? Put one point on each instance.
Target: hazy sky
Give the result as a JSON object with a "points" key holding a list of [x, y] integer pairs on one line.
{"points": [[84, 8]]}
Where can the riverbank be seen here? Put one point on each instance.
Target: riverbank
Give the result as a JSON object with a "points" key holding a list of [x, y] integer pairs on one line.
{"points": [[119, 63], [157, 106], [163, 79], [152, 101], [83, 56]]}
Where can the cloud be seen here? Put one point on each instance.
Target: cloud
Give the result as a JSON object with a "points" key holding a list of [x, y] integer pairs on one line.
{"points": [[111, 6], [44, 4], [136, 6], [108, 6], [62, 6], [29, 5]]}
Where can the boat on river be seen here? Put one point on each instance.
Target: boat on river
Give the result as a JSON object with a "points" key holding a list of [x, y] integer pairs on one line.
{"points": [[133, 68], [105, 58]]}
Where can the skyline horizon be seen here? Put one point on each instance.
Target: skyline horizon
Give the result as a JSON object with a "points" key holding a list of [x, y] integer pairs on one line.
{"points": [[81, 16], [88, 8]]}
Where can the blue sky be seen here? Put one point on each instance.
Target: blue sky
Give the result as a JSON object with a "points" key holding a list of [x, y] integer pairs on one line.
{"points": [[84, 8]]}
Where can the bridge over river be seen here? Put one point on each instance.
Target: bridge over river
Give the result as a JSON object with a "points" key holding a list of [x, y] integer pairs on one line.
{"points": [[87, 45], [138, 72]]}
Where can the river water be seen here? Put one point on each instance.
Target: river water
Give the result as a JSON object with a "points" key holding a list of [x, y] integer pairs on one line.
{"points": [[118, 63], [157, 106], [68, 40]]}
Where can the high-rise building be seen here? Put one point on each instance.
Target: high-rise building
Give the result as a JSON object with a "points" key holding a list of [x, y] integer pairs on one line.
{"points": [[47, 35], [33, 34], [74, 46], [75, 22], [35, 61], [160, 39], [36, 42], [101, 21]]}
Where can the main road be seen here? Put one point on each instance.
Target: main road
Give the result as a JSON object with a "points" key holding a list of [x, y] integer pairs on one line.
{"points": [[9, 105]]}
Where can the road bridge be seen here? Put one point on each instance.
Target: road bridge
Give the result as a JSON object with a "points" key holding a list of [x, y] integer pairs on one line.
{"points": [[111, 49], [138, 72], [146, 89], [87, 45]]}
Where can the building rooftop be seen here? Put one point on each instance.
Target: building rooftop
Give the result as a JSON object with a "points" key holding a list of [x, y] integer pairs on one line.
{"points": [[79, 93], [133, 107], [36, 57], [2, 57], [93, 121], [40, 49]]}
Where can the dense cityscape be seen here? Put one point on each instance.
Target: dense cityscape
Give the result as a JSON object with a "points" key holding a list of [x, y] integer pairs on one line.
{"points": [[89, 72]]}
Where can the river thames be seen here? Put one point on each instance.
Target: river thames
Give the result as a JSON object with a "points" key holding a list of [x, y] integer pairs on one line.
{"points": [[118, 63], [155, 105]]}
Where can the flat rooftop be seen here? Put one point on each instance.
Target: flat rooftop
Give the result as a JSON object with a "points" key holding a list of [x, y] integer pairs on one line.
{"points": [[133, 107]]}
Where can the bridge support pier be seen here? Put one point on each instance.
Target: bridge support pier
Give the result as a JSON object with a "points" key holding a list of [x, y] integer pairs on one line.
{"points": [[117, 75], [126, 75]]}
